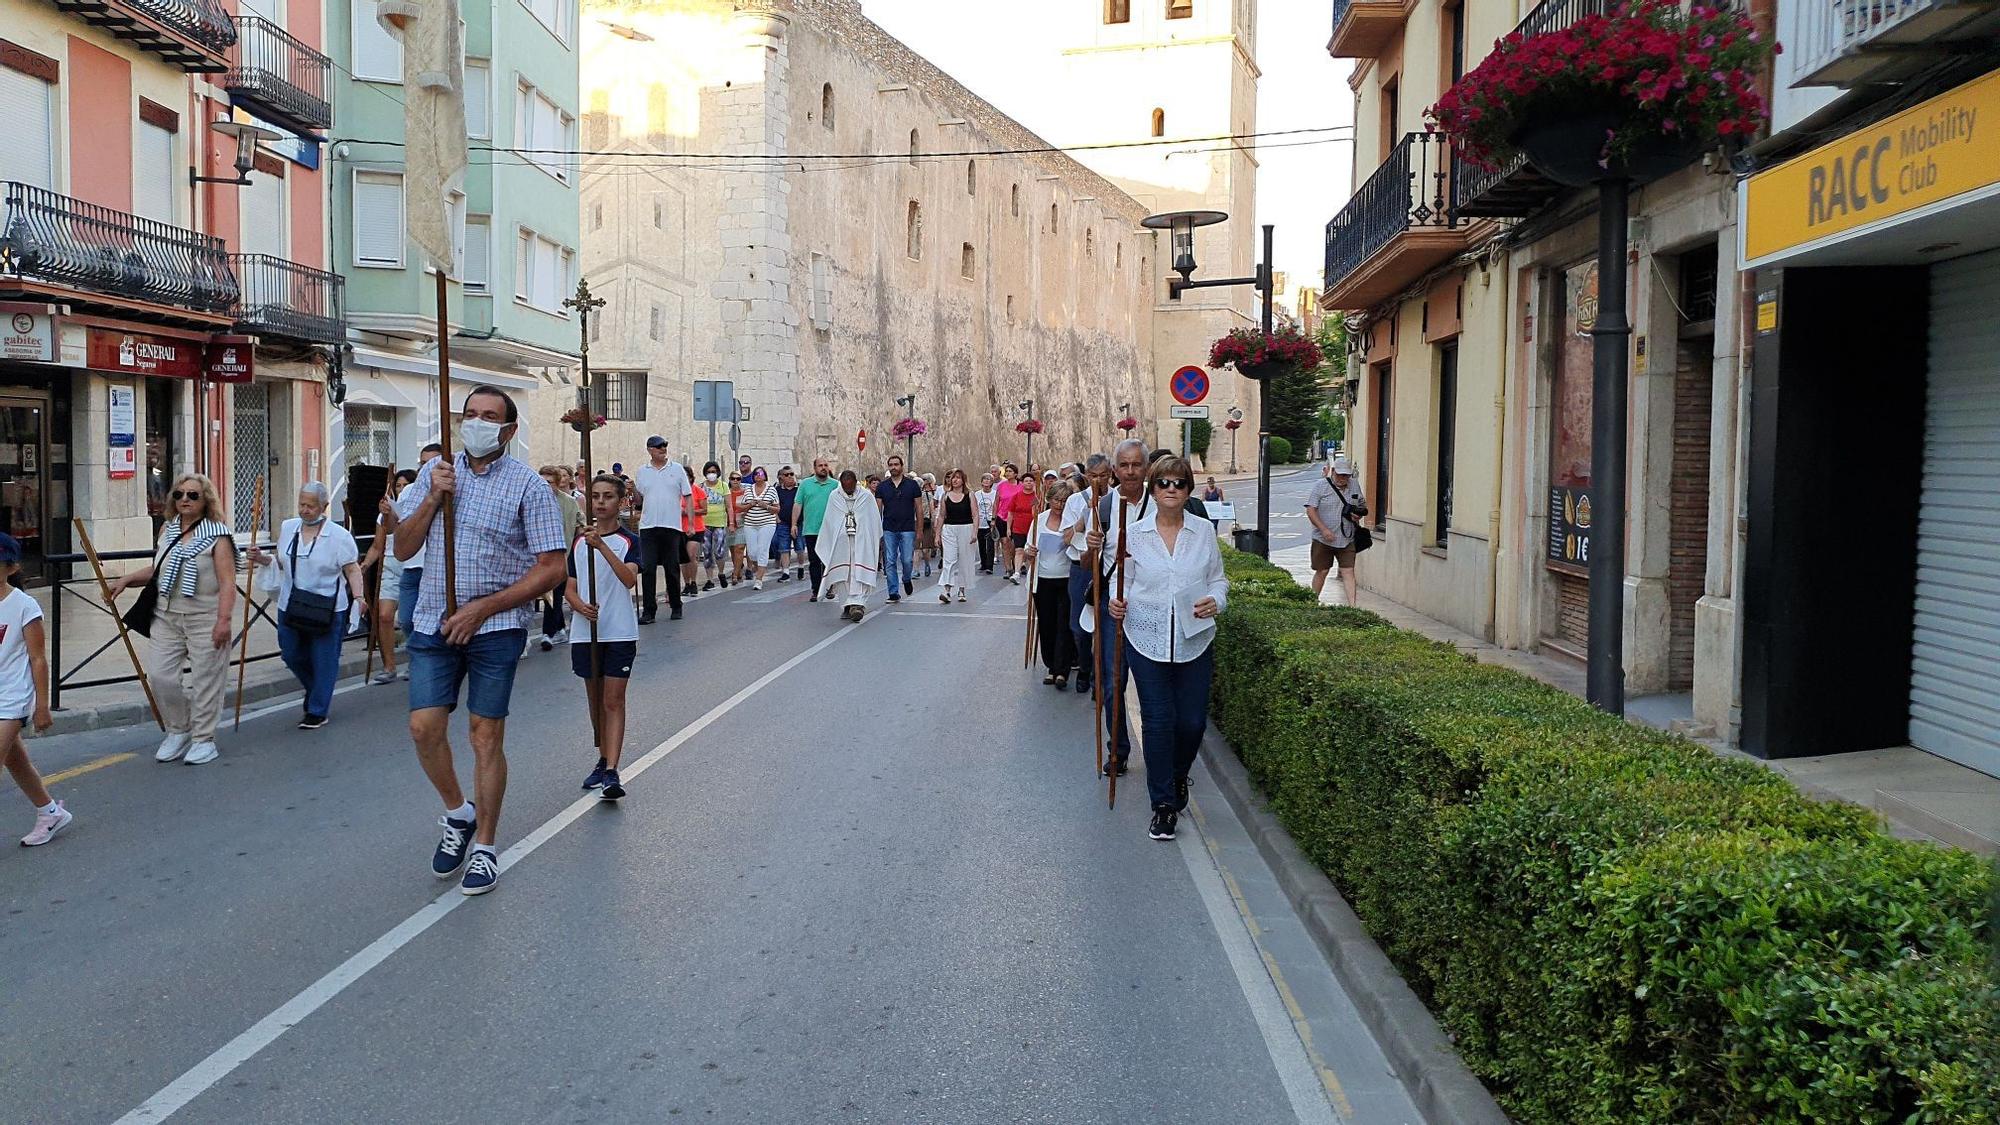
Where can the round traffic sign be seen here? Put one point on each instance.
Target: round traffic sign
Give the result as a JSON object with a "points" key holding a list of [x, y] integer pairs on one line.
{"points": [[1189, 385], [861, 441]]}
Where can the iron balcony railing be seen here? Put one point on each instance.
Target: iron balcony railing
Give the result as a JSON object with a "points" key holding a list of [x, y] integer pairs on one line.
{"points": [[191, 34], [279, 77], [62, 241], [284, 298], [1340, 9], [1554, 15], [1412, 189], [1850, 42]]}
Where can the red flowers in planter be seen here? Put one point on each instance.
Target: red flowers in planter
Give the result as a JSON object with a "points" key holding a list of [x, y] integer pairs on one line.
{"points": [[1128, 423], [908, 428], [1666, 71], [1031, 426], [581, 420], [1286, 345], [1233, 424]]}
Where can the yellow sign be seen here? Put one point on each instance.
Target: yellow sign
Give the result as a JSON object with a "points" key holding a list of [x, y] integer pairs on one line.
{"points": [[1947, 146]]}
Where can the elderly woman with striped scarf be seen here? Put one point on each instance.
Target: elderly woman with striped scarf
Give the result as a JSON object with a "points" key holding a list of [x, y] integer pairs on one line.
{"points": [[194, 564]]}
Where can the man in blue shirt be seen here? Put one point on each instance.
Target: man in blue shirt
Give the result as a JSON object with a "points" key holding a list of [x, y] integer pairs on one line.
{"points": [[902, 516]]}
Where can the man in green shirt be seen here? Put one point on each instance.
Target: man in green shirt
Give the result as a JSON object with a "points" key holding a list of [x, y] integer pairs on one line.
{"points": [[807, 512]]}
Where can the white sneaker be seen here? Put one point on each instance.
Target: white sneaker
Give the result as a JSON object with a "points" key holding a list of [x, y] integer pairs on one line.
{"points": [[559, 637], [172, 747], [202, 753], [757, 585]]}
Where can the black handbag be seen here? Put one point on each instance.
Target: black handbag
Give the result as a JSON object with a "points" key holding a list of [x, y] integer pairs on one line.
{"points": [[139, 618], [1363, 539], [307, 611]]}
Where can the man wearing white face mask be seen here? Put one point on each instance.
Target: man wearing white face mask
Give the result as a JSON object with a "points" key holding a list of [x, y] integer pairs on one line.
{"points": [[509, 543]]}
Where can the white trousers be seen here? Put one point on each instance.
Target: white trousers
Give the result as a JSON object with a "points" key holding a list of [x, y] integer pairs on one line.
{"points": [[961, 555]]}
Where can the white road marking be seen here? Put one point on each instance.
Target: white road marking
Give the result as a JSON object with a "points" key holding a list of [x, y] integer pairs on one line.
{"points": [[949, 615], [219, 1065], [1281, 1040]]}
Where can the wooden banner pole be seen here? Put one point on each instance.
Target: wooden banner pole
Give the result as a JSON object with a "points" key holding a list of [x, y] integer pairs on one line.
{"points": [[124, 634], [249, 600]]}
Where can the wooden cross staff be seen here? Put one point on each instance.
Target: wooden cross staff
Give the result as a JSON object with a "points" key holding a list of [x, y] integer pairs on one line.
{"points": [[583, 303], [1034, 537], [1097, 631], [249, 598], [1117, 657], [444, 444], [110, 602]]}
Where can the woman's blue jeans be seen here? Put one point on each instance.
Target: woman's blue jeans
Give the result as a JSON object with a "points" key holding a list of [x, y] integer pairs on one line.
{"points": [[1173, 716], [315, 660]]}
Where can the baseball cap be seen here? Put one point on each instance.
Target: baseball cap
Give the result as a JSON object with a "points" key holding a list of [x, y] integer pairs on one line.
{"points": [[1342, 466], [10, 548], [656, 442]]}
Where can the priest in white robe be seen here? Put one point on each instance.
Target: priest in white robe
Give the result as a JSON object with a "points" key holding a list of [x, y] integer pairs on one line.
{"points": [[850, 546]]}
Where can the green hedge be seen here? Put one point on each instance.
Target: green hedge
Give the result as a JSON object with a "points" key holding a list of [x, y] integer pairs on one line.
{"points": [[1615, 925], [1280, 450]]}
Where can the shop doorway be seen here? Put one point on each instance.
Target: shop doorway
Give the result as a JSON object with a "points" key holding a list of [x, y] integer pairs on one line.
{"points": [[24, 479]]}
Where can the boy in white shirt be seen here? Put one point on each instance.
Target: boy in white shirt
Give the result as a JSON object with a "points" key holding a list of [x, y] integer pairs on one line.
{"points": [[24, 693]]}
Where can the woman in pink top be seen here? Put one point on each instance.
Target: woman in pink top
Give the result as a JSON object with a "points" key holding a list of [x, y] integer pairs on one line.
{"points": [[1003, 506], [1021, 509]]}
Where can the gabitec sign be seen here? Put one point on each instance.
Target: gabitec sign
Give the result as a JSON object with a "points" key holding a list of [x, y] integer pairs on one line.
{"points": [[1926, 155]]}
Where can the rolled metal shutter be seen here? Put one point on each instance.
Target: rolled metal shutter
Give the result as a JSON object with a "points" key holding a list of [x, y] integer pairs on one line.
{"points": [[1955, 675]]}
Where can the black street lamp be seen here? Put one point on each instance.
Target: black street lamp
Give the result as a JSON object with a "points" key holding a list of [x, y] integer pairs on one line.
{"points": [[909, 403], [1235, 415], [1182, 226]]}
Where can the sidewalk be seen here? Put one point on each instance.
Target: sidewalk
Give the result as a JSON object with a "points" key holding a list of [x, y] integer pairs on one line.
{"points": [[1920, 795], [87, 629]]}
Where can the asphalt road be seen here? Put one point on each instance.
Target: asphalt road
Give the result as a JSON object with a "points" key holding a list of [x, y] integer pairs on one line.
{"points": [[864, 874]]}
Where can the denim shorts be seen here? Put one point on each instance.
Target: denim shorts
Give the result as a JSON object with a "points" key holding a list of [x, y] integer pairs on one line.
{"points": [[486, 666], [782, 541]]}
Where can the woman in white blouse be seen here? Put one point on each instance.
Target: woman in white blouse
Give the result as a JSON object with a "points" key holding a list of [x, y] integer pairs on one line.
{"points": [[1174, 588], [315, 563]]}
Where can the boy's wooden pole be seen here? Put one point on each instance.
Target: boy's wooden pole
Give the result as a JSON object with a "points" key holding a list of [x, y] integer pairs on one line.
{"points": [[1034, 536], [249, 598], [444, 442], [1117, 658], [375, 584], [583, 303], [104, 588]]}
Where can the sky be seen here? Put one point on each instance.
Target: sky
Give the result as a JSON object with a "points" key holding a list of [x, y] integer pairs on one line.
{"points": [[1299, 187]]}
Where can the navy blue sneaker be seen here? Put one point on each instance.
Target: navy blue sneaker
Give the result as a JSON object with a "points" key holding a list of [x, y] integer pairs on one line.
{"points": [[450, 854], [894, 597], [596, 778], [613, 788], [480, 874]]}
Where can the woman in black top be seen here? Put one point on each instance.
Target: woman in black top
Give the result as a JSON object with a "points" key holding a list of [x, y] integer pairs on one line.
{"points": [[955, 517]]}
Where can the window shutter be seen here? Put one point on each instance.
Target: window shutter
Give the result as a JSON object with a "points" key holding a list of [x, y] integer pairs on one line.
{"points": [[153, 173], [27, 105], [378, 218], [478, 98], [377, 55], [263, 219], [478, 259], [524, 266]]}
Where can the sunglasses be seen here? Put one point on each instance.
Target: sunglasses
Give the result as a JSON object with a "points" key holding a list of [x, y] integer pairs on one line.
{"points": [[179, 495], [1181, 484]]}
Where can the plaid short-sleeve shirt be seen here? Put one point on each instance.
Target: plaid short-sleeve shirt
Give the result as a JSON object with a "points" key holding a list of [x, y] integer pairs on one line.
{"points": [[503, 518]]}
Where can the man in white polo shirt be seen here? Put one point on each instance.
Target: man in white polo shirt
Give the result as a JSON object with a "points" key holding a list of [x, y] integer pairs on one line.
{"points": [[663, 489]]}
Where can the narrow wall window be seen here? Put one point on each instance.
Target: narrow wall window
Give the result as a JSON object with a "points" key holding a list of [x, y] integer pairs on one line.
{"points": [[965, 260], [1117, 11], [1385, 386], [1090, 244], [913, 146], [826, 106], [1454, 41], [1010, 308], [1447, 434], [597, 216], [1052, 218], [1014, 200], [477, 265], [1180, 9], [653, 323], [1159, 122], [658, 214], [821, 309], [913, 232], [971, 178], [1391, 114]]}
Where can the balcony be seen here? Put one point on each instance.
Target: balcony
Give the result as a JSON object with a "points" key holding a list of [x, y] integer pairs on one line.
{"points": [[1361, 28], [1870, 42], [279, 78], [1399, 225], [284, 298], [55, 246], [191, 34]]}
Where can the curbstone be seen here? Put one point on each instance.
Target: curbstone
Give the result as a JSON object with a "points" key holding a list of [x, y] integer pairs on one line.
{"points": [[1437, 1079], [133, 712]]}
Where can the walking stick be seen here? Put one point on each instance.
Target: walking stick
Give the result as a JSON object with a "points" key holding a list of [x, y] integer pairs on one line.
{"points": [[1117, 656], [249, 599], [1097, 633], [375, 588], [444, 445], [1034, 533], [104, 587]]}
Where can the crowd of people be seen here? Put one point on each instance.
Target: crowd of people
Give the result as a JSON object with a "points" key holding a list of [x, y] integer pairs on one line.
{"points": [[1122, 563]]}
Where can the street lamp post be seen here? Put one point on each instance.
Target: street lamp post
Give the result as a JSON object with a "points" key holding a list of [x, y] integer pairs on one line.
{"points": [[909, 403], [1235, 415], [1182, 226]]}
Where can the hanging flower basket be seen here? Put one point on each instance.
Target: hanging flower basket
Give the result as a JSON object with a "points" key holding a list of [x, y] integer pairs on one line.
{"points": [[581, 420], [1256, 356], [1128, 423], [1031, 426], [908, 428], [1233, 424], [1633, 94]]}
